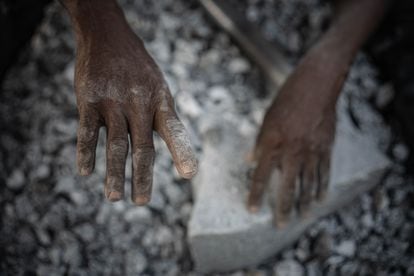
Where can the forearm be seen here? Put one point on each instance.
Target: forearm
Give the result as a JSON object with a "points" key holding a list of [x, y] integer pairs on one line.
{"points": [[334, 53], [100, 21], [319, 76], [354, 21]]}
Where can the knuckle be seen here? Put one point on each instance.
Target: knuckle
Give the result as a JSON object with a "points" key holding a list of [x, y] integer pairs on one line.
{"points": [[271, 139], [86, 134], [85, 154], [165, 102], [145, 149], [174, 125], [143, 159], [118, 145], [84, 147]]}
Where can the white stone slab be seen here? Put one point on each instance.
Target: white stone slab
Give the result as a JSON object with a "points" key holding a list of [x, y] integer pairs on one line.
{"points": [[224, 236]]}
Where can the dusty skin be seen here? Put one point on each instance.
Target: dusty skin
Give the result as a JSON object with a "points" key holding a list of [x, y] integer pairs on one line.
{"points": [[299, 127], [119, 86]]}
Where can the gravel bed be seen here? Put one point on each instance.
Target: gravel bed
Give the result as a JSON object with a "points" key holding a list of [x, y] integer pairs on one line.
{"points": [[54, 222]]}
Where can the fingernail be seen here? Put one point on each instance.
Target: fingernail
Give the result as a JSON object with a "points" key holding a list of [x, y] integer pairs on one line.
{"points": [[114, 188], [250, 157], [114, 196], [253, 209], [85, 171], [189, 168], [141, 200]]}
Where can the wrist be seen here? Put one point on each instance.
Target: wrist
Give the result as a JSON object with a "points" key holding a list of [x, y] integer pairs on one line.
{"points": [[96, 20], [320, 76]]}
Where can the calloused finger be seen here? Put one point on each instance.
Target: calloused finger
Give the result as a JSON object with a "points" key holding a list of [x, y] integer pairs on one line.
{"points": [[88, 131], [260, 180], [143, 155], [324, 169], [286, 190], [173, 132], [116, 153]]}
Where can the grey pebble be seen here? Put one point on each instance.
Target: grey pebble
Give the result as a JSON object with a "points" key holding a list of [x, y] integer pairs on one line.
{"points": [[136, 262], [288, 268], [346, 248], [16, 180]]}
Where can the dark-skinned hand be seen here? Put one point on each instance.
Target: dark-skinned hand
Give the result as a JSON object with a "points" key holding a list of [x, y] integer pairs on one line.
{"points": [[296, 137], [298, 129], [118, 85]]}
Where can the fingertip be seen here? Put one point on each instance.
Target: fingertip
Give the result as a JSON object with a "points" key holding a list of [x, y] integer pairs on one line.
{"points": [[176, 137], [114, 196], [281, 223], [85, 171], [254, 197], [188, 169], [141, 200], [253, 209], [85, 162], [321, 196], [250, 156], [280, 220], [253, 202], [114, 188]]}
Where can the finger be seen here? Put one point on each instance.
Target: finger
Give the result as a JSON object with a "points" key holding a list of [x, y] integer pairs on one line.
{"points": [[143, 155], [260, 180], [268, 137], [256, 153], [116, 153], [286, 191], [173, 132], [88, 131], [324, 168], [307, 185]]}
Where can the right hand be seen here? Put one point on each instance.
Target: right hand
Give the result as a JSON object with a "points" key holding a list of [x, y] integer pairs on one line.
{"points": [[119, 86]]}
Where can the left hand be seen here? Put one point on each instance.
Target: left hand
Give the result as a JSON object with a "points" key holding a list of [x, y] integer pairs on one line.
{"points": [[298, 130], [296, 137]]}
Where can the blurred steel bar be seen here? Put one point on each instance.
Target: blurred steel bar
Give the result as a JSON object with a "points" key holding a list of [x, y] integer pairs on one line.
{"points": [[267, 56]]}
